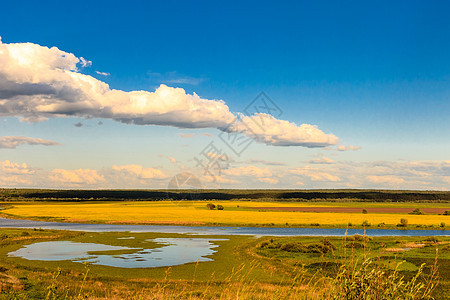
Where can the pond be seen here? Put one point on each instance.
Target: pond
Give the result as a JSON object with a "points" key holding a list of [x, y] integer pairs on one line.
{"points": [[172, 253], [205, 230]]}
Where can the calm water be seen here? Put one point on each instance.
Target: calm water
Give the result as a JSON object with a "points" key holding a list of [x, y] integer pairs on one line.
{"points": [[204, 230], [172, 253]]}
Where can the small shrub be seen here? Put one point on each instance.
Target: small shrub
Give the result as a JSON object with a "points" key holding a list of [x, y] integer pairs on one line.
{"points": [[381, 224], [432, 239], [354, 245], [315, 224], [403, 222], [25, 233], [349, 224], [364, 211], [365, 223], [3, 236], [210, 206], [220, 207], [358, 237], [447, 213], [293, 247], [442, 224], [416, 211]]}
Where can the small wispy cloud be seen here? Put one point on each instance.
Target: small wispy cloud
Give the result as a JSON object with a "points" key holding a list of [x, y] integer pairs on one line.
{"points": [[348, 148], [186, 135], [102, 73], [11, 142], [265, 162], [321, 160], [175, 78], [172, 159]]}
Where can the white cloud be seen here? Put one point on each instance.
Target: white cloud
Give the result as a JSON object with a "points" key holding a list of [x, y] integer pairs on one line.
{"points": [[11, 142], [76, 177], [8, 167], [269, 180], [343, 174], [248, 171], [186, 135], [102, 73], [267, 129], [322, 160], [265, 162], [174, 77], [315, 174], [348, 148], [37, 83], [389, 179], [140, 172]]}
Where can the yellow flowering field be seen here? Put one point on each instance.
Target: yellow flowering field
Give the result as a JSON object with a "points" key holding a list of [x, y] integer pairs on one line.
{"points": [[234, 213]]}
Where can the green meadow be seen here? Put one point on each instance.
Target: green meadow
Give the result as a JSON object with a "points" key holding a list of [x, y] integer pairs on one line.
{"points": [[242, 268]]}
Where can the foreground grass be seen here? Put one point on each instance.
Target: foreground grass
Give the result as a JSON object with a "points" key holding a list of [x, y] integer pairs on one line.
{"points": [[235, 213], [243, 268]]}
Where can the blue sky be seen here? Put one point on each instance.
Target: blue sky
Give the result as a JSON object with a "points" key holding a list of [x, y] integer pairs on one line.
{"points": [[375, 75]]}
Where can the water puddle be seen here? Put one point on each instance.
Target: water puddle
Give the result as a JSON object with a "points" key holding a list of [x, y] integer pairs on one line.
{"points": [[175, 251]]}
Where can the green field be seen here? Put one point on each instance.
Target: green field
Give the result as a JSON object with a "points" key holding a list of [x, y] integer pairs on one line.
{"points": [[288, 268], [244, 267]]}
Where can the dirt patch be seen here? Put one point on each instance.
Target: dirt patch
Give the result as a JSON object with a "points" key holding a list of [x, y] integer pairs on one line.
{"points": [[406, 247], [10, 282], [393, 210]]}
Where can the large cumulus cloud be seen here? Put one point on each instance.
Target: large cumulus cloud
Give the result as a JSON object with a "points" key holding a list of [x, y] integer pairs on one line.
{"points": [[38, 82]]}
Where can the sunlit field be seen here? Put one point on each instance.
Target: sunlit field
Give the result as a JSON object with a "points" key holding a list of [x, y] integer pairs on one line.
{"points": [[242, 213]]}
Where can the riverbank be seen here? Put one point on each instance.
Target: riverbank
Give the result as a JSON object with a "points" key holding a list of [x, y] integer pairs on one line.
{"points": [[244, 267]]}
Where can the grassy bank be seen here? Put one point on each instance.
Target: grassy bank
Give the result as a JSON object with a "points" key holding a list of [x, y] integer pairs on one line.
{"points": [[243, 267]]}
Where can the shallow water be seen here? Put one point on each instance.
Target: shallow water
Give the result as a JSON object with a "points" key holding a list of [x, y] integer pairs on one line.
{"points": [[205, 230], [172, 253]]}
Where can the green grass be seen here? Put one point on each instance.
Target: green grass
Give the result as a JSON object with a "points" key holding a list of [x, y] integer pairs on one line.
{"points": [[242, 264]]}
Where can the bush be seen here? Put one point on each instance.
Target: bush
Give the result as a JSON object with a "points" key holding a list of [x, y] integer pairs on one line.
{"points": [[365, 223], [220, 207], [25, 233], [3, 236], [293, 247], [417, 211], [296, 247], [358, 237], [364, 211], [354, 245], [442, 224], [403, 222], [432, 239], [210, 206], [447, 213]]}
